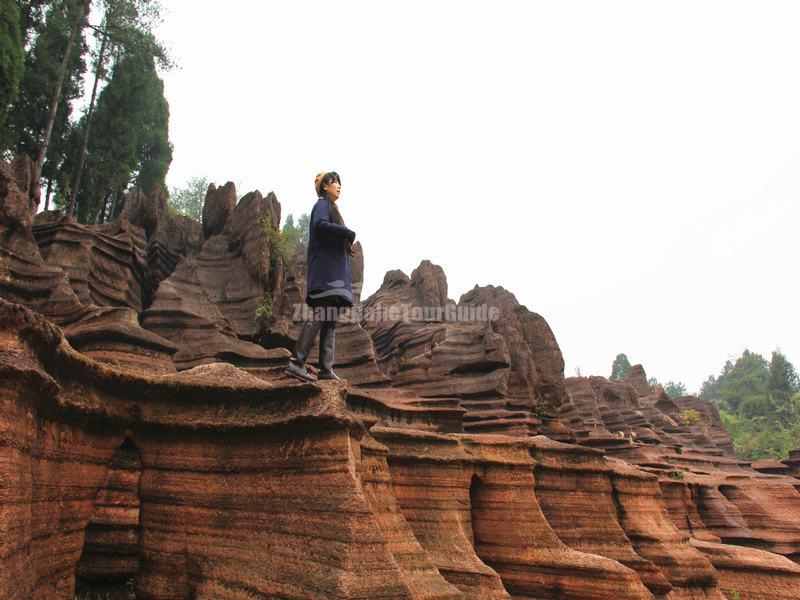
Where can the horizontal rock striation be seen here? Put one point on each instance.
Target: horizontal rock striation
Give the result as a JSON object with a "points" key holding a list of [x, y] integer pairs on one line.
{"points": [[111, 539], [498, 357], [471, 501], [245, 489], [149, 435], [108, 333]]}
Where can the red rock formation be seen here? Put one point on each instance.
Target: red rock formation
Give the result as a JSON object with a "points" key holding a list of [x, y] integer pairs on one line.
{"points": [[217, 208], [111, 540], [793, 462], [246, 488], [471, 502], [147, 431], [175, 237], [500, 359], [111, 334], [575, 492]]}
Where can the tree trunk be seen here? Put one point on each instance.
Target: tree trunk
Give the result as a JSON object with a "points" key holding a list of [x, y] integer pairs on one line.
{"points": [[89, 112], [114, 204], [49, 191], [77, 28], [101, 216]]}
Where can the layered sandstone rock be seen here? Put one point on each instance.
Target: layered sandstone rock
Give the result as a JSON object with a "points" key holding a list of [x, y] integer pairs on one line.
{"points": [[499, 358], [147, 433], [209, 304], [111, 539], [106, 264], [471, 502], [110, 331], [245, 488]]}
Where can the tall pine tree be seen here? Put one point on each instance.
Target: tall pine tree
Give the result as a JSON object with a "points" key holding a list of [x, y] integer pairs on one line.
{"points": [[620, 367], [28, 117], [11, 55], [126, 29], [130, 137]]}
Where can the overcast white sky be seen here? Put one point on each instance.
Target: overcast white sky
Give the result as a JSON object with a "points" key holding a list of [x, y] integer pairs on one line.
{"points": [[629, 170]]}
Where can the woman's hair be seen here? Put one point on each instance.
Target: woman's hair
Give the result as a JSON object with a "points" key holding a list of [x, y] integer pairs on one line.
{"points": [[336, 216], [329, 178]]}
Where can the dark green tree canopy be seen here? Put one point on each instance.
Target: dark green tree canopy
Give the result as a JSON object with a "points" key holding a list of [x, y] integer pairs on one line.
{"points": [[32, 18], [28, 116], [759, 403], [620, 367], [44, 54], [130, 136], [11, 55]]}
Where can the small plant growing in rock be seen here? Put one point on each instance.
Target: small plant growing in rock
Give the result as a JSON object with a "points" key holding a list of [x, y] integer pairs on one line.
{"points": [[540, 406], [281, 243], [735, 595], [690, 416], [679, 474], [264, 309]]}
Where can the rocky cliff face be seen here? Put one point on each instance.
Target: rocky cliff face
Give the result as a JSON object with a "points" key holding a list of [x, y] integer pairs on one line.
{"points": [[148, 435]]}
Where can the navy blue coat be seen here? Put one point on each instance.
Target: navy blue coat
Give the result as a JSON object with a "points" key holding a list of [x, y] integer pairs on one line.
{"points": [[329, 279]]}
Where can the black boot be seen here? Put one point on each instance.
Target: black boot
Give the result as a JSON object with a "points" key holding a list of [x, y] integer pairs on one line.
{"points": [[297, 363], [327, 345]]}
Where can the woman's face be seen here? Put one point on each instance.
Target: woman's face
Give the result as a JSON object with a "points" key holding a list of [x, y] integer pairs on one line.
{"points": [[332, 190]]}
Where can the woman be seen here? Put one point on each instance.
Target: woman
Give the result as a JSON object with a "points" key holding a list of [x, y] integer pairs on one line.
{"points": [[329, 280]]}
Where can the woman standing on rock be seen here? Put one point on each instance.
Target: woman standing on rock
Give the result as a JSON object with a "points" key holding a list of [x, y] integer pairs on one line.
{"points": [[328, 281]]}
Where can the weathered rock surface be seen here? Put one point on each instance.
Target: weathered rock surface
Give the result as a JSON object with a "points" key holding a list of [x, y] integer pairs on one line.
{"points": [[147, 431], [245, 488], [217, 208], [501, 360], [471, 502], [109, 331], [111, 540]]}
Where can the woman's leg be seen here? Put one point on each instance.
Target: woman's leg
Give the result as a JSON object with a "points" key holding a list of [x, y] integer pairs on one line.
{"points": [[327, 344], [297, 363]]}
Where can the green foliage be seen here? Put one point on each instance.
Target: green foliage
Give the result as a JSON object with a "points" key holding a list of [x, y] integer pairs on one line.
{"points": [[28, 116], [744, 388], [129, 25], [155, 149], [32, 18], [264, 309], [782, 385], [11, 55], [298, 232], [302, 226], [541, 407], [675, 389], [759, 403], [131, 145], [188, 200], [690, 416], [679, 474], [620, 367], [282, 243], [129, 141]]}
